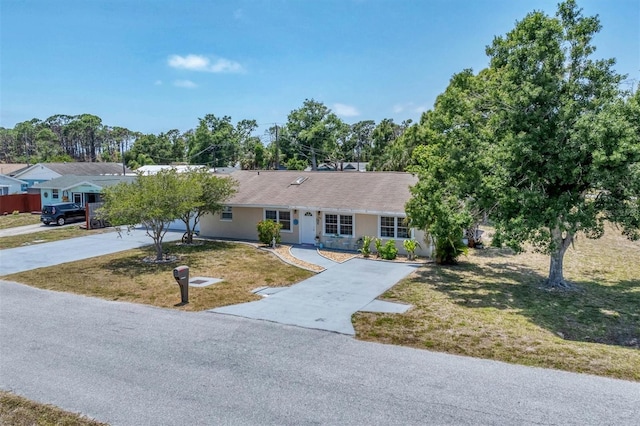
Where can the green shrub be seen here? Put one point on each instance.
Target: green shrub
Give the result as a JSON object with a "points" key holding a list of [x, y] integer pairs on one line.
{"points": [[366, 246], [267, 231], [378, 243], [389, 250], [410, 246], [448, 250]]}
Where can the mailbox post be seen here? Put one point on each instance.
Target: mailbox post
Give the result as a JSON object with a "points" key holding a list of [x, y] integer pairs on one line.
{"points": [[181, 274]]}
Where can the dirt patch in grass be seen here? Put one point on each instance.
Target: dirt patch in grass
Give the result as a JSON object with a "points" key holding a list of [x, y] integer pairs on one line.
{"points": [[50, 235], [15, 220], [126, 277], [19, 411], [493, 305]]}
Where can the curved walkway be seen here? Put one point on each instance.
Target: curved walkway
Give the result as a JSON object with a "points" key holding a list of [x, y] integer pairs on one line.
{"points": [[310, 254]]}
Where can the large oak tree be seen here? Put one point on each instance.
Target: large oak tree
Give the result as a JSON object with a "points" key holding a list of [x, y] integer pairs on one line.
{"points": [[543, 140]]}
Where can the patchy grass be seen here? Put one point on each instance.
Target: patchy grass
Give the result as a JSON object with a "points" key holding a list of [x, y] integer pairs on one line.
{"points": [[124, 276], [50, 235], [22, 219], [18, 411], [493, 306]]}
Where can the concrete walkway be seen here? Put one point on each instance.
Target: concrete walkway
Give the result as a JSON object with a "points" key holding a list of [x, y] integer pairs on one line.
{"points": [[34, 256], [327, 300], [310, 254]]}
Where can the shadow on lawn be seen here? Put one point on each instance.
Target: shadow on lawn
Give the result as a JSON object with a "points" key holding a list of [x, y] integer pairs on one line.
{"points": [[184, 253], [593, 312]]}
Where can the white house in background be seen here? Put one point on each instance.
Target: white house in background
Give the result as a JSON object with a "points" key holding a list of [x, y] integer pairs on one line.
{"points": [[334, 209], [42, 172], [181, 168], [10, 185]]}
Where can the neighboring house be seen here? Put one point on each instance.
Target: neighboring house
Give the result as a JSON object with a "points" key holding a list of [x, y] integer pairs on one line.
{"points": [[10, 185], [152, 169], [329, 208], [11, 169], [43, 172], [77, 189], [345, 166]]}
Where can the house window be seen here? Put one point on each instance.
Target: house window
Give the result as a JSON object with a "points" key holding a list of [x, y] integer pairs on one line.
{"points": [[77, 198], [393, 227], [338, 224], [54, 193], [283, 217], [227, 213]]}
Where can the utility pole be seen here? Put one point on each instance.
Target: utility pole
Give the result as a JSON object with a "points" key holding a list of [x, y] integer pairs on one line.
{"points": [[277, 150]]}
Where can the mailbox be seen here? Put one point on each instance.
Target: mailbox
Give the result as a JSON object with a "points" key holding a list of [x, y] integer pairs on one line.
{"points": [[181, 274]]}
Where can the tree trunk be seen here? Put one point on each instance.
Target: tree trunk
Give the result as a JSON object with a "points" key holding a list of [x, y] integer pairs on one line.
{"points": [[158, 244], [556, 274]]}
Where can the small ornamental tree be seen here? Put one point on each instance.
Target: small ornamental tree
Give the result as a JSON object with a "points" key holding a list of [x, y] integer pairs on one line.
{"points": [[207, 194], [153, 201]]}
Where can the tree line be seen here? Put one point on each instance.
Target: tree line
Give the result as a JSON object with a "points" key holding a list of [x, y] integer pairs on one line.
{"points": [[312, 135]]}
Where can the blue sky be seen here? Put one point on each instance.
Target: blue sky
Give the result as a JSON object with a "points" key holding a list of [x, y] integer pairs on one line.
{"points": [[156, 65]]}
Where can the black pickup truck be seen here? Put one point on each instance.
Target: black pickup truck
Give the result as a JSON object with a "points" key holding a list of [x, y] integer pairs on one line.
{"points": [[62, 213]]}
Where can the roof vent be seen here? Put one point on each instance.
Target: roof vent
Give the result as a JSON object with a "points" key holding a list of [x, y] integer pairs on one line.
{"points": [[299, 180]]}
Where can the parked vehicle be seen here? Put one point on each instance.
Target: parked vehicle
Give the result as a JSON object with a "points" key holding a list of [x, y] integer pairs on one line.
{"points": [[62, 213]]}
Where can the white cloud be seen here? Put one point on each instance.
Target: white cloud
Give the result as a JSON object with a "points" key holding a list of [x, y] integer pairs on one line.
{"points": [[409, 106], [346, 110], [204, 64], [186, 84], [158, 83]]}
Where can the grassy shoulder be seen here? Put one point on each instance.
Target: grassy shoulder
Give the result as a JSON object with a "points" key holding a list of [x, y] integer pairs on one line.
{"points": [[125, 276], [15, 220], [16, 410], [48, 236], [492, 305]]}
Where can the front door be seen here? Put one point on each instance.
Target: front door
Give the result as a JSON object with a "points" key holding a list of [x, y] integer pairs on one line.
{"points": [[307, 227]]}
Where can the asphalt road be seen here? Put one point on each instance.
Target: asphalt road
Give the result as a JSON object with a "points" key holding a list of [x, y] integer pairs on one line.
{"points": [[129, 364]]}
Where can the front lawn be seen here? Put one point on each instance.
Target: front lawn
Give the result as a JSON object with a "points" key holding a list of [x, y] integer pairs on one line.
{"points": [[22, 219], [15, 410], [125, 276], [492, 305]]}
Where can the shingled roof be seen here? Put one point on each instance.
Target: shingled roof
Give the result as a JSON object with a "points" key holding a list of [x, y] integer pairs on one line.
{"points": [[69, 181], [83, 168], [373, 192]]}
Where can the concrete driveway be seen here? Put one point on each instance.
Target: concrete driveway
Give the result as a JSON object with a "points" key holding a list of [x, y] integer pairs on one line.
{"points": [[34, 256], [327, 300]]}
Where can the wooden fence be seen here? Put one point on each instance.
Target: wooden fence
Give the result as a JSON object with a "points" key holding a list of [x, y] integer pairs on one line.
{"points": [[24, 203]]}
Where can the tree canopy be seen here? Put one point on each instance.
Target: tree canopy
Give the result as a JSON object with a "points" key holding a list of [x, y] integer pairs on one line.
{"points": [[543, 141]]}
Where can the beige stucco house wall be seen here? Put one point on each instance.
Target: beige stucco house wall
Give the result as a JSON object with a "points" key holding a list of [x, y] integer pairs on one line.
{"points": [[328, 209]]}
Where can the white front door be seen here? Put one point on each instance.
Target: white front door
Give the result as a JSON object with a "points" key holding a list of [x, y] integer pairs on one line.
{"points": [[307, 227]]}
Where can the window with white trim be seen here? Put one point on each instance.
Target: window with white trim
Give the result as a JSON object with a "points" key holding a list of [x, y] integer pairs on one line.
{"points": [[283, 217], [338, 224], [226, 213], [393, 227], [54, 193]]}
